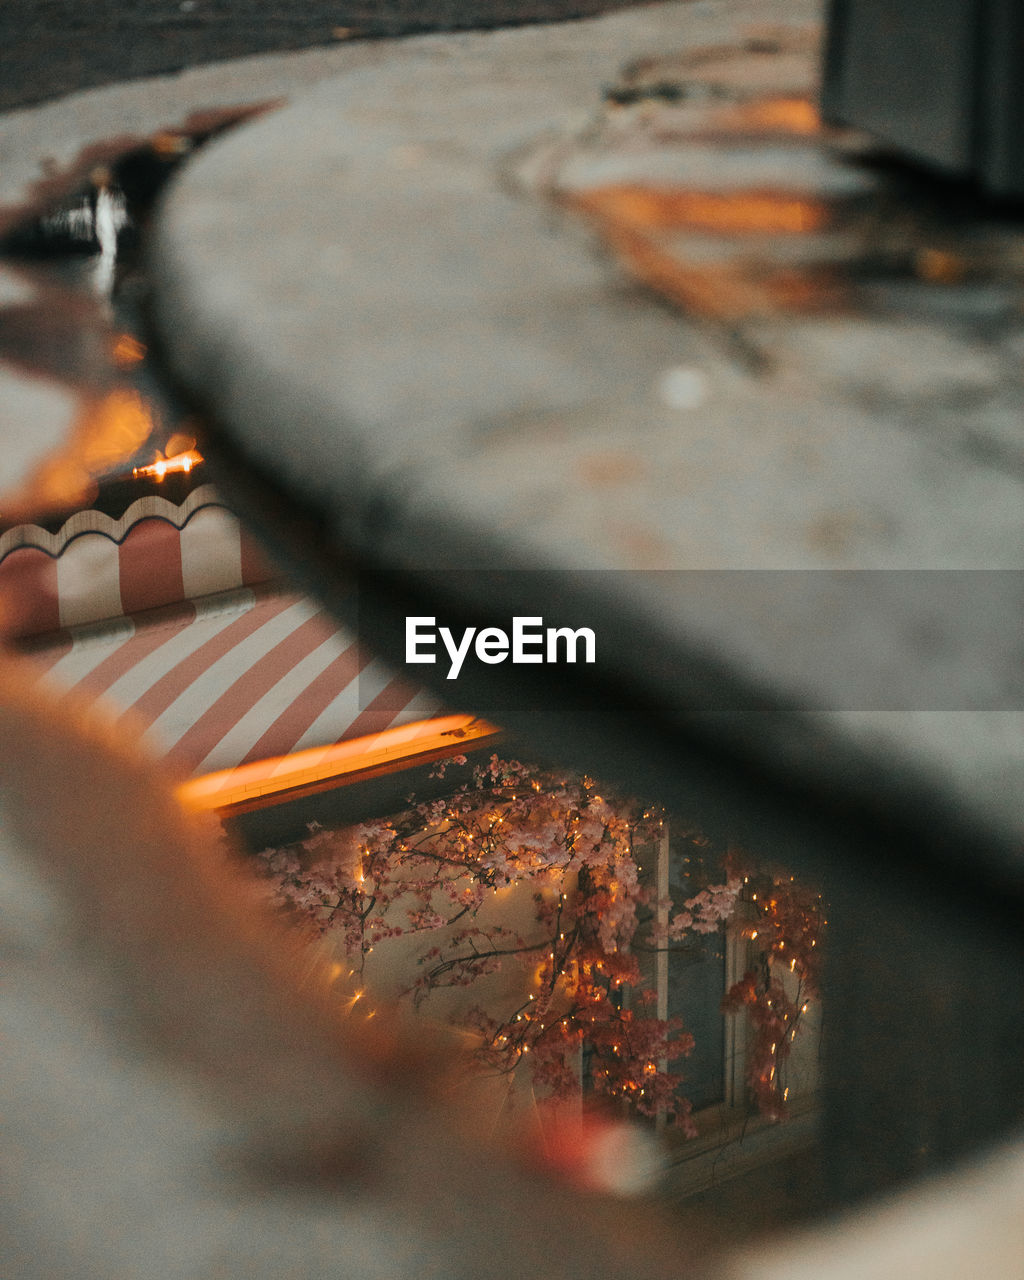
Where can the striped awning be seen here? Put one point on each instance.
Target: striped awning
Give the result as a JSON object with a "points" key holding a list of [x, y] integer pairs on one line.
{"points": [[173, 619], [231, 678], [95, 568]]}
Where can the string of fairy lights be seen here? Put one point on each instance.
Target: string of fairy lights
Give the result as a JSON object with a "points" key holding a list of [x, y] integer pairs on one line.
{"points": [[585, 1015]]}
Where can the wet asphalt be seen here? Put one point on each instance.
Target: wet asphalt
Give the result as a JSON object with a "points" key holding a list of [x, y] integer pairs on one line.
{"points": [[53, 47]]}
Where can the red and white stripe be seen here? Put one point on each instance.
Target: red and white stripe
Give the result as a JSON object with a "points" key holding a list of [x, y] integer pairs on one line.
{"points": [[169, 616], [95, 568], [234, 678]]}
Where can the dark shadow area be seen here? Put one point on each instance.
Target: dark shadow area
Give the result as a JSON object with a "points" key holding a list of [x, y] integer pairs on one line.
{"points": [[53, 47], [784, 1192]]}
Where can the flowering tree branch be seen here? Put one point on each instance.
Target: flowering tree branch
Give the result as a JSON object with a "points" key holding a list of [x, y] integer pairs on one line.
{"points": [[447, 866]]}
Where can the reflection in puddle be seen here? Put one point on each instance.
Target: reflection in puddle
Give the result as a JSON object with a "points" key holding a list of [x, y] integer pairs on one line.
{"points": [[82, 328], [107, 430]]}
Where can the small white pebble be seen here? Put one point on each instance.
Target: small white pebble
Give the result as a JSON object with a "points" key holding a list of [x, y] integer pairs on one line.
{"points": [[683, 388]]}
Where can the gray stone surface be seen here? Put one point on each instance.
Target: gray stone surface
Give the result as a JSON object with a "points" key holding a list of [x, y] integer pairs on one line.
{"points": [[37, 143], [449, 372]]}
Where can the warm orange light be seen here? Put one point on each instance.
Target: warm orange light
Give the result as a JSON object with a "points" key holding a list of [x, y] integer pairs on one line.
{"points": [[799, 116], [939, 266], [719, 289], [104, 436], [266, 782], [180, 442], [118, 425], [126, 350], [181, 462], [726, 213], [170, 144]]}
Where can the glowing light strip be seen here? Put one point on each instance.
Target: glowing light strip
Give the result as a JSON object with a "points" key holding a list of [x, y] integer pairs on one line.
{"points": [[183, 462], [264, 782]]}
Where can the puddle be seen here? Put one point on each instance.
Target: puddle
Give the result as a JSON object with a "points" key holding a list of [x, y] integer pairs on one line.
{"points": [[78, 323]]}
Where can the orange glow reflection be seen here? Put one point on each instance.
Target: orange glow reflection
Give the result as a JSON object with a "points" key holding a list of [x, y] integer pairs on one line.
{"points": [[266, 782], [726, 213], [118, 425], [180, 462], [126, 350], [106, 433], [793, 116]]}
